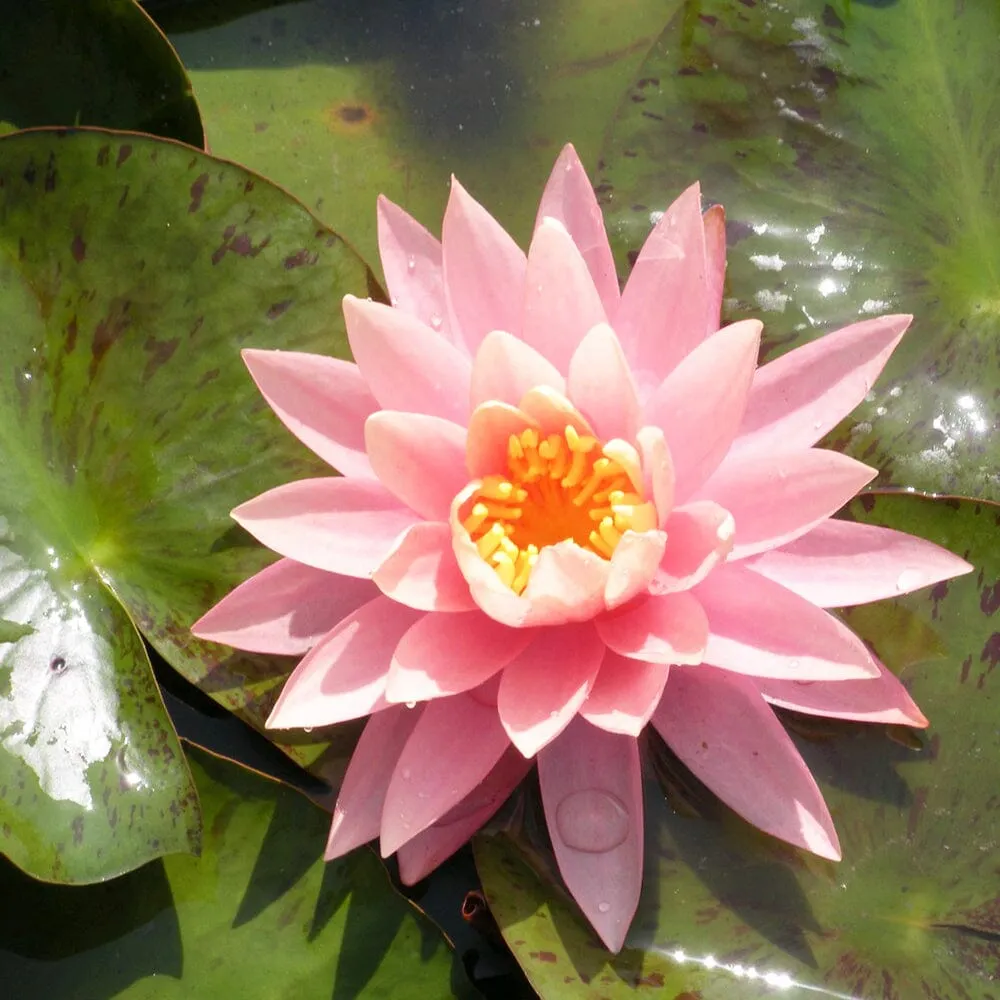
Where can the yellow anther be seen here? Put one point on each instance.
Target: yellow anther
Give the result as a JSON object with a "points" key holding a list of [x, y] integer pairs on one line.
{"points": [[585, 444], [607, 530], [495, 488], [508, 548], [504, 566], [476, 518], [490, 542], [600, 546], [577, 470]]}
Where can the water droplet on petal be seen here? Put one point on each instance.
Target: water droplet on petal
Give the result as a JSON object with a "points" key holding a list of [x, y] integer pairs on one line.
{"points": [[411, 704], [593, 821], [603, 906], [411, 263], [307, 729], [405, 774], [436, 322], [909, 579]]}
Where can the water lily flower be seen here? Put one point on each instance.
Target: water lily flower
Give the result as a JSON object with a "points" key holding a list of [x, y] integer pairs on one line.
{"points": [[565, 510]]}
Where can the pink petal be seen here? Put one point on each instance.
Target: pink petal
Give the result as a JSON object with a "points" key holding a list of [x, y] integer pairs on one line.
{"points": [[721, 728], [505, 368], [411, 260], [699, 537], [777, 498], [421, 572], [453, 747], [569, 198], [343, 676], [357, 815], [601, 387], [591, 784], [657, 470], [284, 609], [544, 685], [800, 396], [758, 627], [700, 404], [714, 220], [420, 458], [419, 856], [553, 412], [668, 628], [323, 401], [445, 654], [665, 304], [634, 564], [490, 428], [344, 526], [874, 699], [484, 271], [561, 303], [407, 365], [840, 563], [624, 695]]}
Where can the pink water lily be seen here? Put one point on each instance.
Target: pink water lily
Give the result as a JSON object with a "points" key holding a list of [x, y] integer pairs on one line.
{"points": [[565, 511]]}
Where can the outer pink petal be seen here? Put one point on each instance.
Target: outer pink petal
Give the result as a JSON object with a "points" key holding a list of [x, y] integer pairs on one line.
{"points": [[490, 428], [779, 498], [569, 198], [840, 563], [700, 404], [591, 783], [421, 572], [542, 688], [758, 627], [323, 401], [634, 564], [444, 654], [657, 470], [699, 537], [668, 628], [343, 677], [407, 365], [344, 526], [357, 815], [411, 260], [624, 695], [721, 728], [664, 308], [553, 412], [484, 270], [284, 609], [453, 747], [715, 264], [420, 458], [800, 396], [601, 386], [874, 699], [505, 368], [421, 855], [561, 303]]}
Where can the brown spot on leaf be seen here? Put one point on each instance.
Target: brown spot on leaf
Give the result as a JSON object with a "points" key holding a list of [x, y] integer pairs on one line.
{"points": [[299, 258], [124, 197], [124, 152], [160, 352], [543, 956], [107, 331], [197, 190], [78, 248], [278, 308], [260, 126], [991, 651], [831, 18], [989, 599], [350, 118], [77, 826], [916, 811], [102, 155], [50, 173], [71, 332]]}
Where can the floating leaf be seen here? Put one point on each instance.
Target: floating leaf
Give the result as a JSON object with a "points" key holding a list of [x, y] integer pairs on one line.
{"points": [[913, 910], [92, 62], [259, 914], [855, 149]]}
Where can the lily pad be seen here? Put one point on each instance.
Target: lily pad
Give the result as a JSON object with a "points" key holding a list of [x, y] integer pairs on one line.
{"points": [[132, 271], [259, 914], [92, 62], [342, 102], [855, 149], [913, 910]]}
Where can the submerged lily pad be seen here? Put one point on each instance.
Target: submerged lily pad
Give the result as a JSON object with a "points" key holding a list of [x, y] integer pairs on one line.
{"points": [[913, 910], [92, 62], [258, 914], [856, 151], [132, 271]]}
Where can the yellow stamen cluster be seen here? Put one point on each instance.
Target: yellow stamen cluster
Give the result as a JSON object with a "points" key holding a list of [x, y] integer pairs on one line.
{"points": [[558, 488]]}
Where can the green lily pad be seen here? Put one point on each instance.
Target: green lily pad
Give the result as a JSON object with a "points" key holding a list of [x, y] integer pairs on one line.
{"points": [[855, 149], [341, 102], [92, 62], [913, 910], [132, 271], [258, 914]]}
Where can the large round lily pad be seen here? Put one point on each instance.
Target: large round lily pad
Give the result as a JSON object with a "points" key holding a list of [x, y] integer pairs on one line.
{"points": [[855, 148], [92, 62], [132, 271], [912, 911]]}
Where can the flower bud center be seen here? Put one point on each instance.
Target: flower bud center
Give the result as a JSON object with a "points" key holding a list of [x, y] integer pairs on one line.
{"points": [[563, 487]]}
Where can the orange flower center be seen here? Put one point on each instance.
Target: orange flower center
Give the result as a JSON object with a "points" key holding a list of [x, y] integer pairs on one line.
{"points": [[564, 487]]}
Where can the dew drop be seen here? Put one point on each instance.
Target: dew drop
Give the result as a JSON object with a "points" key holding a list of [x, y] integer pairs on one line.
{"points": [[405, 774], [436, 322], [307, 729], [411, 263], [592, 820], [909, 579], [411, 704], [603, 906]]}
